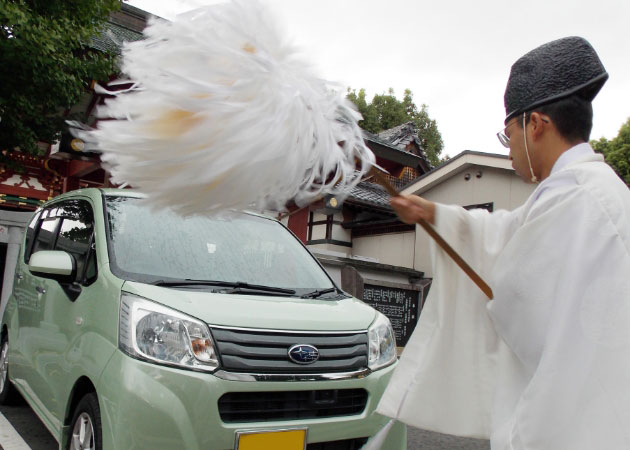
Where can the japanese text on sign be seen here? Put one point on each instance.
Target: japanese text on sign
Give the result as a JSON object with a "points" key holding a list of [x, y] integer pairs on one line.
{"points": [[401, 306]]}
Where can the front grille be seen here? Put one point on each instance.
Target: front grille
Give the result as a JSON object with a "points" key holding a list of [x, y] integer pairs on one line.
{"points": [[346, 444], [258, 351], [292, 405]]}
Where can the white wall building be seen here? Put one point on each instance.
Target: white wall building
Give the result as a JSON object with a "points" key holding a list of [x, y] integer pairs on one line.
{"points": [[472, 180], [374, 256]]}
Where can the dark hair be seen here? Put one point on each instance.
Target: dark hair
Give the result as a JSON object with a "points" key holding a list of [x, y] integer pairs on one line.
{"points": [[572, 116]]}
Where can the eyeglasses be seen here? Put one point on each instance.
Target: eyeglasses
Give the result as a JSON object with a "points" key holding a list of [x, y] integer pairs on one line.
{"points": [[505, 139]]}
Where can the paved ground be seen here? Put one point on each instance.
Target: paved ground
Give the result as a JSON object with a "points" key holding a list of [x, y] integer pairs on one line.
{"points": [[35, 436], [31, 430], [426, 440]]}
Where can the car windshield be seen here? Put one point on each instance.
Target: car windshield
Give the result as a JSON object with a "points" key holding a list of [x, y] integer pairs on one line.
{"points": [[162, 247]]}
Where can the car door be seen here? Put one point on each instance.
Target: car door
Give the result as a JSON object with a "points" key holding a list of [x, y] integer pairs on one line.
{"points": [[24, 295], [56, 320], [29, 291], [63, 307]]}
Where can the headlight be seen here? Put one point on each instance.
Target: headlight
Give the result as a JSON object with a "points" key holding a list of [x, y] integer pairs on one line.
{"points": [[159, 334], [382, 343]]}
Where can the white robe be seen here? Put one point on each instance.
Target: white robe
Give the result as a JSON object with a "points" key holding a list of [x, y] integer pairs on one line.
{"points": [[546, 364]]}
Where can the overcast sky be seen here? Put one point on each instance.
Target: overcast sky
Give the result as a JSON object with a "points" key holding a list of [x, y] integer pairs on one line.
{"points": [[455, 56]]}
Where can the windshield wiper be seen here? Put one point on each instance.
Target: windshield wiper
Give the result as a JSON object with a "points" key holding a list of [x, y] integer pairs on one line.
{"points": [[263, 290], [237, 286], [318, 292]]}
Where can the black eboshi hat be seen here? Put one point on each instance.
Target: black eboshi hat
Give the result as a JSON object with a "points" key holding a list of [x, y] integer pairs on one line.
{"points": [[553, 71]]}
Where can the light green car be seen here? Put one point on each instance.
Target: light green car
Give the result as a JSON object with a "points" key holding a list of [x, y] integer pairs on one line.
{"points": [[130, 328]]}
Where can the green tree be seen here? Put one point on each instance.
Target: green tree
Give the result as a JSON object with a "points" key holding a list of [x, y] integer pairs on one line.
{"points": [[46, 65], [617, 151], [386, 111], [370, 120]]}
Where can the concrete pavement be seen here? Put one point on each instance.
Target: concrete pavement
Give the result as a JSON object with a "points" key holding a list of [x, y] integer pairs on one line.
{"points": [[20, 429]]}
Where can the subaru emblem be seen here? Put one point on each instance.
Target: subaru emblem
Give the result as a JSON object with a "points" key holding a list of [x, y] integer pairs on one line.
{"points": [[303, 354]]}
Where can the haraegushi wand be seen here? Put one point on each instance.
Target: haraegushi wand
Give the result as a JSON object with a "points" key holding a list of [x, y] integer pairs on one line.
{"points": [[439, 240]]}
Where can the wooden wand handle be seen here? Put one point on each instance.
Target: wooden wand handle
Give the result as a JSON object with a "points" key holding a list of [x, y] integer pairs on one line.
{"points": [[439, 240]]}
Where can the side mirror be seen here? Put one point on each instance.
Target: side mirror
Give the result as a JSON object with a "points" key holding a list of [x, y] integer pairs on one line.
{"points": [[55, 264]]}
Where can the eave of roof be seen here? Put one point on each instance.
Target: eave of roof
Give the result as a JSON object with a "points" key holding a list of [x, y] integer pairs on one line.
{"points": [[392, 153], [335, 260], [112, 38], [370, 195], [116, 32], [455, 165], [132, 10]]}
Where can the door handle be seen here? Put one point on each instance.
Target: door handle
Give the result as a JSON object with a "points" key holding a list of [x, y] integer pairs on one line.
{"points": [[19, 276], [41, 290]]}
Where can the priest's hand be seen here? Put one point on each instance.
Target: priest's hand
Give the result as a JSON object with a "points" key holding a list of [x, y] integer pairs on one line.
{"points": [[411, 208]]}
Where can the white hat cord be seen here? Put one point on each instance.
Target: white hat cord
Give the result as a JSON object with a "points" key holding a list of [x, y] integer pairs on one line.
{"points": [[534, 179]]}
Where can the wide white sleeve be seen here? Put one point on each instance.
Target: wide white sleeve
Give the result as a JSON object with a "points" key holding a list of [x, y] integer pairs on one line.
{"points": [[563, 307], [445, 378], [477, 235]]}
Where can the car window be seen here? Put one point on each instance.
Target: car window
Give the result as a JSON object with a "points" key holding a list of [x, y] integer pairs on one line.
{"points": [[46, 234], [68, 226], [75, 235], [30, 235], [150, 245]]}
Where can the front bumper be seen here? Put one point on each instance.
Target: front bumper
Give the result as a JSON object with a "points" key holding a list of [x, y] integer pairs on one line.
{"points": [[151, 406]]}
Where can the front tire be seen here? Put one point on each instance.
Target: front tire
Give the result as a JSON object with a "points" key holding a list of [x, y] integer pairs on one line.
{"points": [[8, 393], [86, 425]]}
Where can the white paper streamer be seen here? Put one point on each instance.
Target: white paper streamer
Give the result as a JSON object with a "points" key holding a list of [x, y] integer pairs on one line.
{"points": [[223, 114]]}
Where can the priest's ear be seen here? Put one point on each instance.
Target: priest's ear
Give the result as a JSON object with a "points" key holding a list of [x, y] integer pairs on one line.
{"points": [[540, 123]]}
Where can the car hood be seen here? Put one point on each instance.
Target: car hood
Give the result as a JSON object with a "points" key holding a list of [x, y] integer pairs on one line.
{"points": [[260, 311]]}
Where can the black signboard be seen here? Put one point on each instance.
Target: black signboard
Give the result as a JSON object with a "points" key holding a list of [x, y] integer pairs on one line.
{"points": [[401, 306]]}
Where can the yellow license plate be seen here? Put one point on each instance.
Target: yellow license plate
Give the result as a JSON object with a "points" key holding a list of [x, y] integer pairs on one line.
{"points": [[271, 440]]}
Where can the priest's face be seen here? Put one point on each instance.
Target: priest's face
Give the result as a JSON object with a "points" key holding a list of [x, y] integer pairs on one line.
{"points": [[514, 131]]}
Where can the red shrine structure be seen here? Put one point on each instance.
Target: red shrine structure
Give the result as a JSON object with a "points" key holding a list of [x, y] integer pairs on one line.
{"points": [[63, 166], [366, 210], [27, 181], [328, 227]]}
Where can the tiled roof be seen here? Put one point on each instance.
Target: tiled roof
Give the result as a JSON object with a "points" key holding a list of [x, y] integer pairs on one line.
{"points": [[375, 138], [371, 194], [371, 137], [397, 138], [401, 135], [112, 38]]}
